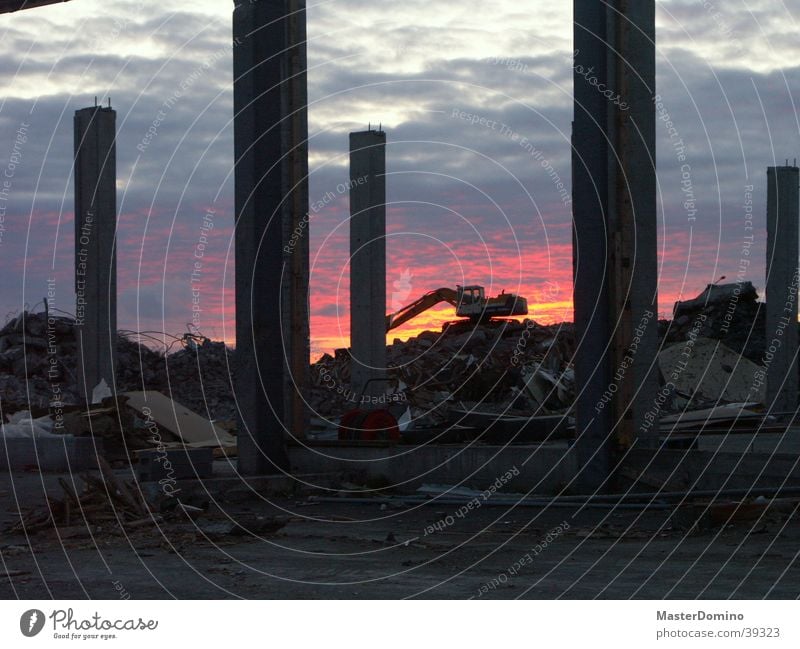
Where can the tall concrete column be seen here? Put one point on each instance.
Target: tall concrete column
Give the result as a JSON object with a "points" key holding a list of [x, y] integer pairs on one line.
{"points": [[368, 261], [271, 178], [95, 250], [783, 212], [614, 230]]}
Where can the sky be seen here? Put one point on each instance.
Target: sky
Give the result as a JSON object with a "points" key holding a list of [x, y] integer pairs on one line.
{"points": [[477, 106]]}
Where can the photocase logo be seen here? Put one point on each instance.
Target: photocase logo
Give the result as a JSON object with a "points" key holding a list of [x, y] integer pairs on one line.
{"points": [[31, 622], [550, 291], [402, 289]]}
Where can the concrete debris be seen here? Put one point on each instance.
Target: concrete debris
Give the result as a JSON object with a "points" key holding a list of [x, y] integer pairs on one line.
{"points": [[706, 370], [184, 424], [22, 425], [135, 421], [519, 367], [727, 418], [38, 365], [506, 368], [717, 295], [121, 430], [730, 313]]}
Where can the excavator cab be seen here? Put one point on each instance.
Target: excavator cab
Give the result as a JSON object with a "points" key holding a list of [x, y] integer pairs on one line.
{"points": [[471, 301], [470, 295]]}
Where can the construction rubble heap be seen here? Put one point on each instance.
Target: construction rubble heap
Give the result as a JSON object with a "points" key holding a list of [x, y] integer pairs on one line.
{"points": [[729, 313], [508, 367], [36, 356]]}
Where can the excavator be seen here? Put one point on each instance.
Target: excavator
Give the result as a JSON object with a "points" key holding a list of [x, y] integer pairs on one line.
{"points": [[469, 301]]}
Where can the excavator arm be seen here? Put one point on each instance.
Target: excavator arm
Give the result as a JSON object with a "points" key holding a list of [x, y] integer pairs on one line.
{"points": [[424, 303]]}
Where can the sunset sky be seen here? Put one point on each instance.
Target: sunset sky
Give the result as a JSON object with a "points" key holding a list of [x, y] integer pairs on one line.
{"points": [[469, 203]]}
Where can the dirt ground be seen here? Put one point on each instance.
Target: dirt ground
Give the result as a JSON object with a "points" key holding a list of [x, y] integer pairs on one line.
{"points": [[296, 548]]}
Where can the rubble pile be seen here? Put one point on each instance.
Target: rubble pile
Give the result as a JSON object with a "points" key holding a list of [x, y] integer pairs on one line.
{"points": [[201, 378], [38, 365], [729, 313], [500, 366], [506, 364]]}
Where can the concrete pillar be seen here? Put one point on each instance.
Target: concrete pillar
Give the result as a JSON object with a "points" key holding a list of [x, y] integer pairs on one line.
{"points": [[614, 230], [368, 261], [783, 211], [95, 251], [271, 179]]}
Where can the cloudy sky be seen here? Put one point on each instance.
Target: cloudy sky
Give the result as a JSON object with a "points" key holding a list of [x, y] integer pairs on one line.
{"points": [[468, 203]]}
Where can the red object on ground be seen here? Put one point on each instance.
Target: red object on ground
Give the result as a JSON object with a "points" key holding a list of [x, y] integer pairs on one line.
{"points": [[368, 426]]}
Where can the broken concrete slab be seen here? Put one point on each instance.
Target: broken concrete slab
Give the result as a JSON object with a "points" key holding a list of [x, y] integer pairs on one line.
{"points": [[709, 371], [178, 420], [715, 294]]}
